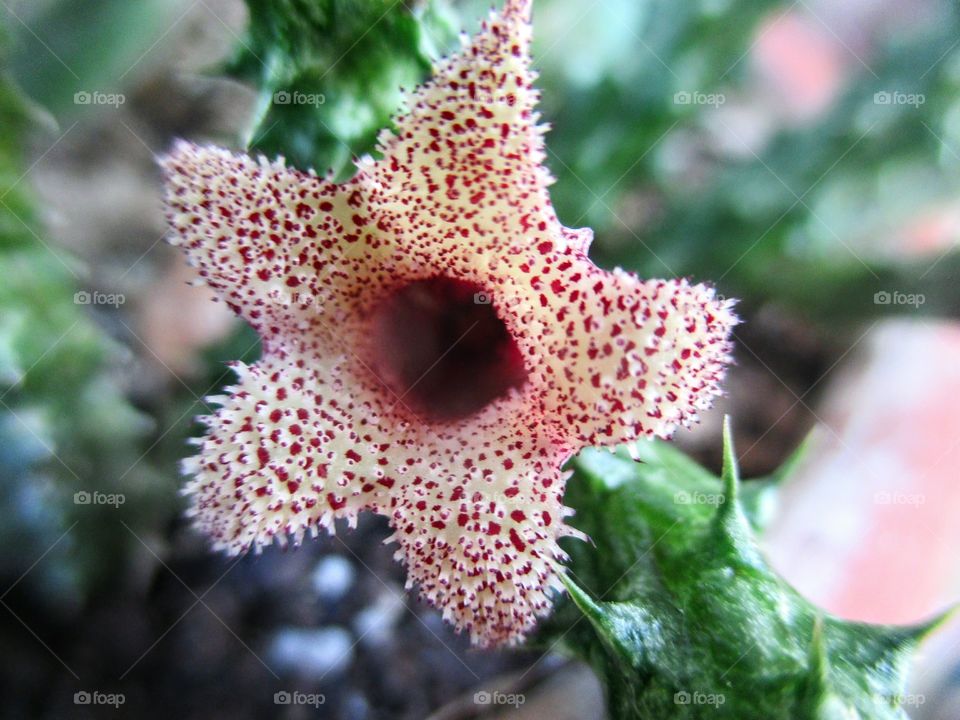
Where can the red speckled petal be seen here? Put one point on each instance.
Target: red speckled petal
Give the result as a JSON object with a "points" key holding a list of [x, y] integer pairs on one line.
{"points": [[485, 550], [629, 358], [286, 250], [295, 445], [479, 537], [465, 164]]}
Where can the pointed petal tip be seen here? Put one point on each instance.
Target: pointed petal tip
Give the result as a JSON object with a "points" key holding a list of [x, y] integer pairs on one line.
{"points": [[187, 155], [518, 9], [180, 147]]}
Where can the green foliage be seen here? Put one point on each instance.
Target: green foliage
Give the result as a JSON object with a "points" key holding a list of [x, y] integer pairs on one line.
{"points": [[796, 221], [329, 72], [65, 424], [685, 619]]}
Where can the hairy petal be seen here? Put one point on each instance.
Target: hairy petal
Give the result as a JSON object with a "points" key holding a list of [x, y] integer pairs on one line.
{"points": [[637, 358], [465, 166], [285, 249], [294, 446], [480, 537]]}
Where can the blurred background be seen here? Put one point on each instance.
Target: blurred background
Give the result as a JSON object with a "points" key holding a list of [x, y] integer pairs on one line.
{"points": [[804, 156]]}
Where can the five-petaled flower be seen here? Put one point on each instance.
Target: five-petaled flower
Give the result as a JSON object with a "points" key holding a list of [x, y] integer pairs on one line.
{"points": [[435, 343]]}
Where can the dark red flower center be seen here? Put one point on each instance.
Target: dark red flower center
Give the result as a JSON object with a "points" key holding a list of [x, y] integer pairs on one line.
{"points": [[441, 349]]}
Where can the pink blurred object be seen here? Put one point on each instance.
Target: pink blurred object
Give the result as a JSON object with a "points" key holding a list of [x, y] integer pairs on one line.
{"points": [[801, 62], [868, 529], [930, 232]]}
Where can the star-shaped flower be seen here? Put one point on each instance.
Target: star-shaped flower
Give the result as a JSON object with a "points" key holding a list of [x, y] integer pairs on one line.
{"points": [[435, 343]]}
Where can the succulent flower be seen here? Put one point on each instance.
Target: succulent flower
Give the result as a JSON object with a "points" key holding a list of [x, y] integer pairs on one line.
{"points": [[436, 344]]}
